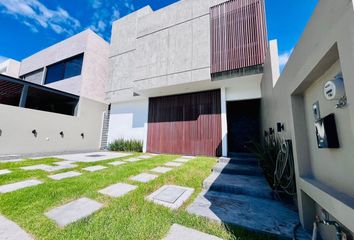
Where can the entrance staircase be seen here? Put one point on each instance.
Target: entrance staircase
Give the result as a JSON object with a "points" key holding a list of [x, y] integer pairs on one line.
{"points": [[237, 193]]}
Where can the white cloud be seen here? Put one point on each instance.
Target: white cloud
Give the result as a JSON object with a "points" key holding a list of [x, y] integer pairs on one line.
{"points": [[34, 14], [106, 12], [3, 59], [284, 58]]}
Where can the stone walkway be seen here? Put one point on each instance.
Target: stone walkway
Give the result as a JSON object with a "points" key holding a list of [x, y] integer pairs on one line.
{"points": [[94, 168], [11, 231], [19, 185], [237, 194], [117, 190], [4, 171], [64, 175], [73, 211], [178, 232], [169, 195], [144, 177]]}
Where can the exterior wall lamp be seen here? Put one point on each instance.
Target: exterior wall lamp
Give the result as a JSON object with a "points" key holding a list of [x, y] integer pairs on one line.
{"points": [[34, 132], [82, 135], [62, 134], [280, 127]]}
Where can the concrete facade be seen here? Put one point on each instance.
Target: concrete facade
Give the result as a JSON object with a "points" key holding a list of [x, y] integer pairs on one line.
{"points": [[324, 176], [92, 81], [162, 53], [10, 68]]}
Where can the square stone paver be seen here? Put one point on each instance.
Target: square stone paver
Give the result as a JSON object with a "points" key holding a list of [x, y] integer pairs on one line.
{"points": [[117, 163], [144, 177], [4, 171], [161, 170], [178, 232], [19, 185], [182, 160], [171, 196], [73, 211], [61, 176], [117, 190], [11, 231], [145, 157], [12, 160], [173, 164], [134, 159], [48, 168], [92, 157], [189, 157], [94, 168]]}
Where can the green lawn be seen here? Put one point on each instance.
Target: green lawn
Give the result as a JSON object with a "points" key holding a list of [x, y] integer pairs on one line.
{"points": [[128, 217]]}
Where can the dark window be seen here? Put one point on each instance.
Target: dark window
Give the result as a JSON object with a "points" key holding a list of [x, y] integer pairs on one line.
{"points": [[65, 69], [10, 93], [50, 101]]}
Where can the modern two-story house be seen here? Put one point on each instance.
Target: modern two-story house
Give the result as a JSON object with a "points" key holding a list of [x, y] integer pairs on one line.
{"points": [[186, 79]]}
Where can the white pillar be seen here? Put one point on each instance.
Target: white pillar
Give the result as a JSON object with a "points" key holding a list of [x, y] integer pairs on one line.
{"points": [[223, 122], [145, 137]]}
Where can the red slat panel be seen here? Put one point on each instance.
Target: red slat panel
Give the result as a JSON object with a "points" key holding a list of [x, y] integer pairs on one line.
{"points": [[238, 35], [185, 124]]}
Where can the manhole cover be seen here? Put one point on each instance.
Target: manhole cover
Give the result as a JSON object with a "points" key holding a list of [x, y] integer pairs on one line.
{"points": [[170, 194], [95, 155]]}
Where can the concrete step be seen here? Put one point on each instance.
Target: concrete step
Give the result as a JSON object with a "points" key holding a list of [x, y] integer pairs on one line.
{"points": [[255, 214], [255, 186], [238, 169], [241, 155], [235, 160]]}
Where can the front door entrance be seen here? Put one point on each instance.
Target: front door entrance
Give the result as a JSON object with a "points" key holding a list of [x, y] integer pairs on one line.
{"points": [[243, 124]]}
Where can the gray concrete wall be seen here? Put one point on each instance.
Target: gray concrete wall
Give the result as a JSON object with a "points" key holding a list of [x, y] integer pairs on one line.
{"points": [[324, 177], [152, 50], [35, 77], [17, 137], [94, 76]]}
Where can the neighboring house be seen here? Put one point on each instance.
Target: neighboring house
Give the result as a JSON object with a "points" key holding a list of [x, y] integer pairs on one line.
{"points": [[317, 116], [183, 81], [77, 65], [58, 105], [10, 68]]}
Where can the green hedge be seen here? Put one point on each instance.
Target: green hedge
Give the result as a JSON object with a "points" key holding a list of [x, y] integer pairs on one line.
{"points": [[123, 145]]}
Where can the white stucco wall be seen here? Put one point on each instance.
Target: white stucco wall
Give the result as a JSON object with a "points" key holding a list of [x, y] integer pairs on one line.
{"points": [[17, 125], [324, 177], [128, 120]]}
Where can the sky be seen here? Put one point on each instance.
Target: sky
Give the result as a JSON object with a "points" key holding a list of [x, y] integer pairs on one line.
{"points": [[28, 26]]}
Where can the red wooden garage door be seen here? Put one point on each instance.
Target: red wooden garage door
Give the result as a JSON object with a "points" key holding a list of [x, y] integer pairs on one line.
{"points": [[185, 124]]}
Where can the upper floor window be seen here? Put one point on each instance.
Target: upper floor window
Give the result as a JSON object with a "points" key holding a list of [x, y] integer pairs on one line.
{"points": [[65, 69]]}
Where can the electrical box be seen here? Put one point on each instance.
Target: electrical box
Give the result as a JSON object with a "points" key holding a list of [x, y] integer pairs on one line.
{"points": [[326, 132]]}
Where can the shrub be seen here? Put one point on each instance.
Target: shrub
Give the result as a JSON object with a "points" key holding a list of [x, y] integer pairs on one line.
{"points": [[267, 153], [123, 145]]}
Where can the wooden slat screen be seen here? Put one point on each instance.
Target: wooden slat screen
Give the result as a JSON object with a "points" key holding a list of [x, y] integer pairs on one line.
{"points": [[185, 124], [238, 35]]}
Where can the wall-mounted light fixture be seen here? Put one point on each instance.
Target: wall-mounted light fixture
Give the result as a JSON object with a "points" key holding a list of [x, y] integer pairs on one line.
{"points": [[0, 132], [34, 132], [62, 134], [82, 135], [280, 127]]}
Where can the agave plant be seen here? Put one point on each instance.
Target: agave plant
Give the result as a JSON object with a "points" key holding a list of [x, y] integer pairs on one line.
{"points": [[267, 153]]}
